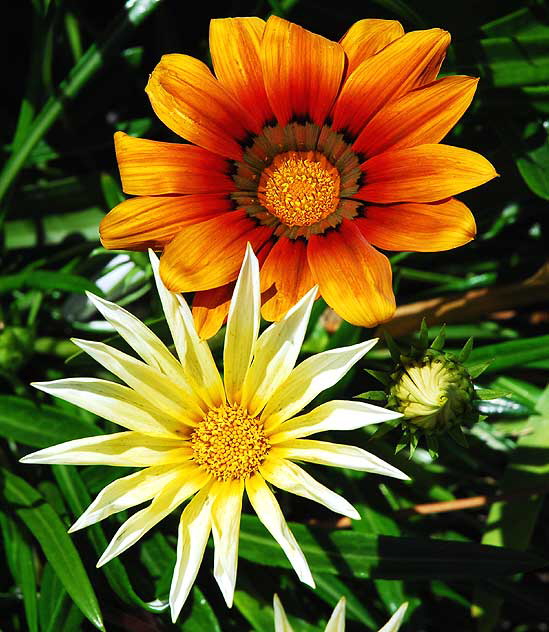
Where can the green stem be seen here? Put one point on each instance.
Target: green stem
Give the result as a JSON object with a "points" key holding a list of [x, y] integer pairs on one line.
{"points": [[135, 12]]}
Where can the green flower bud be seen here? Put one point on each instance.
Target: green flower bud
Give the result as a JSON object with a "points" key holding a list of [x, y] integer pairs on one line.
{"points": [[433, 393]]}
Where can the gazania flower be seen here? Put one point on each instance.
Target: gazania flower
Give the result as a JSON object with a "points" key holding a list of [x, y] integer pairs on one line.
{"points": [[337, 620], [199, 436], [316, 152]]}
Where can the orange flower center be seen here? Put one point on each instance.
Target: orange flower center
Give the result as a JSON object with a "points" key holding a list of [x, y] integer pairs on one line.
{"points": [[300, 188], [229, 444]]}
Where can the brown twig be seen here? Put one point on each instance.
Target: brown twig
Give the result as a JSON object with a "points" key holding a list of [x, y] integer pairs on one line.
{"points": [[470, 305]]}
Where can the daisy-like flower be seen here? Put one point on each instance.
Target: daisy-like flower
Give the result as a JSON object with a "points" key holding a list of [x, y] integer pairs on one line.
{"points": [[199, 436], [316, 152], [337, 620]]}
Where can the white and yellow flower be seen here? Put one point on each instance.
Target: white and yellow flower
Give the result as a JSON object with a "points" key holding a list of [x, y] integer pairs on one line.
{"points": [[337, 620], [198, 436]]}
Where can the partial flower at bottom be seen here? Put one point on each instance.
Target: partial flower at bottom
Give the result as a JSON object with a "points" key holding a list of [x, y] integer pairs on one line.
{"points": [[202, 438], [337, 620]]}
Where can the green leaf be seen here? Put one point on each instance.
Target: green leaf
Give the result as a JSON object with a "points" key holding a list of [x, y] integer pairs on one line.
{"points": [[201, 616], [520, 60], [378, 396], [490, 393], [478, 369], [21, 562], [40, 426], [512, 522], [513, 353], [47, 528], [466, 351], [351, 554], [54, 602], [534, 168], [331, 589], [440, 340], [394, 349]]}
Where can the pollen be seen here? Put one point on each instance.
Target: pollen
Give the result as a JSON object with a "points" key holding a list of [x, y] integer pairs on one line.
{"points": [[229, 443], [300, 188]]}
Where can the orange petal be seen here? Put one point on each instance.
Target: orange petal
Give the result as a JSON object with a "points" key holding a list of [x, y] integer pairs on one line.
{"points": [[210, 307], [418, 227], [354, 278], [286, 268], [422, 116], [191, 102], [148, 167], [384, 77], [302, 71], [151, 222], [426, 173], [235, 50], [209, 254], [367, 37]]}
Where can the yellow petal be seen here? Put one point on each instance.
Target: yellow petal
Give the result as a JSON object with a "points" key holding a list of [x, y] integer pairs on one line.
{"points": [[194, 354], [242, 327], [337, 620], [292, 478], [335, 455], [135, 527], [275, 355], [333, 415], [226, 511], [114, 402], [194, 531], [270, 514], [395, 621], [308, 379], [129, 491], [281, 620], [128, 449]]}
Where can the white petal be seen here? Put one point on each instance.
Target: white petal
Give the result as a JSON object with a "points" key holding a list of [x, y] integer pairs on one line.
{"points": [[395, 621], [337, 455], [130, 449], [194, 354], [281, 620], [270, 514], [167, 396], [114, 402], [334, 415], [147, 344], [291, 478], [337, 620], [276, 353], [194, 531], [135, 527], [308, 379], [242, 326], [226, 511], [127, 492]]}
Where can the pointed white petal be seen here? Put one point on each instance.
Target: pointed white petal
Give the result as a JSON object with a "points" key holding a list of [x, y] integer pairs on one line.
{"points": [[114, 402], [129, 491], [226, 511], [147, 344], [336, 455], [395, 621], [167, 396], [194, 531], [291, 478], [275, 355], [270, 514], [337, 620], [242, 327], [308, 379], [194, 354], [130, 449], [169, 499], [334, 415], [281, 620]]}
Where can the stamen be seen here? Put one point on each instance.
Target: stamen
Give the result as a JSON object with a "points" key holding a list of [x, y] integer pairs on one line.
{"points": [[229, 443], [300, 188]]}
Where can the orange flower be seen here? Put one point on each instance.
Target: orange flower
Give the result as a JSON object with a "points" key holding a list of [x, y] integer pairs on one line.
{"points": [[313, 151]]}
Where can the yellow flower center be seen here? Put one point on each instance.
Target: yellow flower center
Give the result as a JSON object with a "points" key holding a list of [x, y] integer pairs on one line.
{"points": [[229, 443], [300, 188]]}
